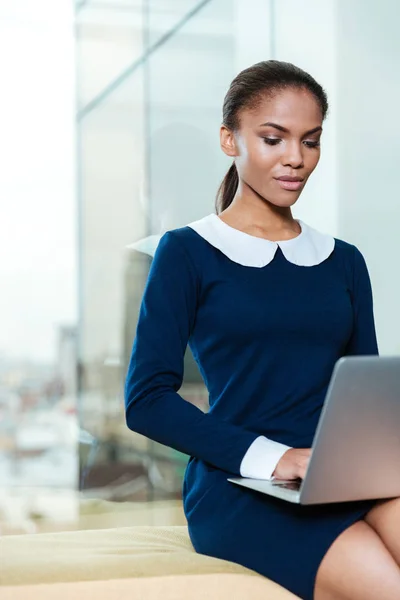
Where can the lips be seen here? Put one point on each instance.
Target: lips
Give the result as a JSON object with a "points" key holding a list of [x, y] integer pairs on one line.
{"points": [[292, 184]]}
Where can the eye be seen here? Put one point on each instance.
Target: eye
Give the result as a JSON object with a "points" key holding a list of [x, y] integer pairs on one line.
{"points": [[276, 141], [271, 141]]}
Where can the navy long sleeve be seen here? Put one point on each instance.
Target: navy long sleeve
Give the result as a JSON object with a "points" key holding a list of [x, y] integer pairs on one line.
{"points": [[363, 339], [153, 406]]}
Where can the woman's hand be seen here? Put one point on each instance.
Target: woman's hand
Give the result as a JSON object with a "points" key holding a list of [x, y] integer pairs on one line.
{"points": [[293, 464]]}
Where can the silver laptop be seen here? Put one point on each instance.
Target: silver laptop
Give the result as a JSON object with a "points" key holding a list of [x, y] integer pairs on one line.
{"points": [[356, 448]]}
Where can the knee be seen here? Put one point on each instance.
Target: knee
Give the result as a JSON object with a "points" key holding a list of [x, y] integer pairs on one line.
{"points": [[359, 566]]}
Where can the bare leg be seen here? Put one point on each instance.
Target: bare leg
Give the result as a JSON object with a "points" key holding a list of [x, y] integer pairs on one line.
{"points": [[358, 566], [384, 518]]}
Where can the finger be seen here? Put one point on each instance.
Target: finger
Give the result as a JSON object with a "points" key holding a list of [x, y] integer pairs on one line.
{"points": [[302, 468], [302, 461], [302, 472]]}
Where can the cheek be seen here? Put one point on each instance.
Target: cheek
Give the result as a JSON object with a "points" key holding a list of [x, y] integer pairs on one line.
{"points": [[312, 161], [256, 160], [262, 156]]}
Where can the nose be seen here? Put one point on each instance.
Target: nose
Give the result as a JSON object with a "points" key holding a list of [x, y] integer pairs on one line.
{"points": [[293, 155]]}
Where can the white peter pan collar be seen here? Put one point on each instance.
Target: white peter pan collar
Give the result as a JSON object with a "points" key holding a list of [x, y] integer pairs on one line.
{"points": [[309, 248]]}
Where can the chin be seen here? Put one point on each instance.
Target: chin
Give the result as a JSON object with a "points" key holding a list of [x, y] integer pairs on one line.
{"points": [[284, 202], [282, 199]]}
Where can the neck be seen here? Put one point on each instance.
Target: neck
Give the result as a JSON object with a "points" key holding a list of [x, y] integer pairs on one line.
{"points": [[253, 214]]}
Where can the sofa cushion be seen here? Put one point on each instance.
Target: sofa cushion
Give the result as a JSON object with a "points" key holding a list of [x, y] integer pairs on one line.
{"points": [[164, 554], [222, 586]]}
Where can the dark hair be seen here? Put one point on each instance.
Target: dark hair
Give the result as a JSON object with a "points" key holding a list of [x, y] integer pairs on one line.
{"points": [[246, 90]]}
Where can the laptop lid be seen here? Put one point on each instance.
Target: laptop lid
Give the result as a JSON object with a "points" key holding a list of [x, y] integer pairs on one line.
{"points": [[356, 447]]}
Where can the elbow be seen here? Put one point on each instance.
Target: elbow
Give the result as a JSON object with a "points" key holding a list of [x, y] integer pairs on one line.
{"points": [[136, 421], [129, 418], [131, 398], [138, 415], [143, 402], [133, 416]]}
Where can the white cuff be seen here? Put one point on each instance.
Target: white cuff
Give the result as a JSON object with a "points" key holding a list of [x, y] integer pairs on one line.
{"points": [[261, 458]]}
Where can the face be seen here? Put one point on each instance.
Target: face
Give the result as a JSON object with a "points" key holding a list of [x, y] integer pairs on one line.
{"points": [[279, 138]]}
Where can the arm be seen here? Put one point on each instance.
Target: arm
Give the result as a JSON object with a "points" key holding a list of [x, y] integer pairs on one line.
{"points": [[153, 406], [363, 339]]}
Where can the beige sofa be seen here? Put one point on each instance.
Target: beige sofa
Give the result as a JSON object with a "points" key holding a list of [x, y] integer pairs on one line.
{"points": [[143, 562]]}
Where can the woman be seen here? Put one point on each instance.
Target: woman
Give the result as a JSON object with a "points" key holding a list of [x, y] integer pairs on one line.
{"points": [[267, 305]]}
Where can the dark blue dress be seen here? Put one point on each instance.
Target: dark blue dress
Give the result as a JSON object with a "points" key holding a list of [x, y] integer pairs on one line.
{"points": [[266, 341]]}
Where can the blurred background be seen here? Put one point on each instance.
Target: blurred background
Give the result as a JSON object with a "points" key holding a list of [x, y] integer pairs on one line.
{"points": [[110, 114]]}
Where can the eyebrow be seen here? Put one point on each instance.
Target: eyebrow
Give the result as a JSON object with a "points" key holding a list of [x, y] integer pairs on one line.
{"points": [[319, 128]]}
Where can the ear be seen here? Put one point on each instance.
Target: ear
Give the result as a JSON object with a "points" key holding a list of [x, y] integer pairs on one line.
{"points": [[228, 142]]}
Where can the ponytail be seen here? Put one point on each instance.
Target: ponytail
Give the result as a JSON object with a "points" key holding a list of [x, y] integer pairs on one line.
{"points": [[227, 189]]}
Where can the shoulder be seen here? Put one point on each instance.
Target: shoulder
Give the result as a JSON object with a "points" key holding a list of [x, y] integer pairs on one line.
{"points": [[181, 241], [175, 256], [344, 248], [347, 250], [351, 256], [183, 237]]}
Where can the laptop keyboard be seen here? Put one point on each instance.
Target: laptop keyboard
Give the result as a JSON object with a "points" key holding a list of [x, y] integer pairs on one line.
{"points": [[288, 485]]}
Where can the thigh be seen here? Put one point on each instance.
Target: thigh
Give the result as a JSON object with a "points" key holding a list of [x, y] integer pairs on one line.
{"points": [[384, 518], [358, 566]]}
